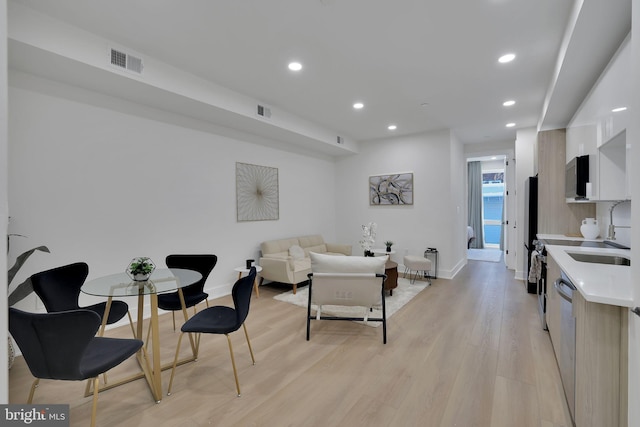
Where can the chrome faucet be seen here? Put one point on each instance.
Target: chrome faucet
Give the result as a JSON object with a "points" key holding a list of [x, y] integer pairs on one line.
{"points": [[611, 234]]}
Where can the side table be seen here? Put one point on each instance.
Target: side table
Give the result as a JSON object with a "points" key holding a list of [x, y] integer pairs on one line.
{"points": [[433, 253], [391, 282], [244, 270]]}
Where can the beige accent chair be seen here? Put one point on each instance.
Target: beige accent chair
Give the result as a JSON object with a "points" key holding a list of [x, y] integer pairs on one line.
{"points": [[287, 260], [353, 281]]}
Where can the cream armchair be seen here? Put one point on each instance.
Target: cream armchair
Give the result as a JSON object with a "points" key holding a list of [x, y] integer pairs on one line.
{"points": [[347, 281]]}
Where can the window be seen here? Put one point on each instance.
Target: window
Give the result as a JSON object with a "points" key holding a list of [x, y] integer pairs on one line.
{"points": [[492, 205]]}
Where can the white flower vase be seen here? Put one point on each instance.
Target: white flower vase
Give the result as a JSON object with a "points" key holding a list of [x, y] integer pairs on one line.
{"points": [[590, 228]]}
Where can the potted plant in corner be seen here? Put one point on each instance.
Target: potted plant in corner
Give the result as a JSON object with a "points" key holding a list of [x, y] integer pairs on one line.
{"points": [[140, 269], [388, 244], [21, 291]]}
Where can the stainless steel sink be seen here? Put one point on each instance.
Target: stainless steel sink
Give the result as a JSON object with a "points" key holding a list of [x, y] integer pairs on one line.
{"points": [[600, 259]]}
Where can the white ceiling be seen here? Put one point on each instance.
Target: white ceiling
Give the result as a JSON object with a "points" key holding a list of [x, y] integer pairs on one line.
{"points": [[392, 55]]}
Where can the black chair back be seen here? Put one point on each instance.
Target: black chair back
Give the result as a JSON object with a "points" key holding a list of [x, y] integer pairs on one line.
{"points": [[202, 263], [241, 293], [59, 288], [53, 343]]}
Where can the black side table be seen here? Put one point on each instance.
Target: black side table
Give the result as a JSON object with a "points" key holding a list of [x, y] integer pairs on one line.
{"points": [[432, 253]]}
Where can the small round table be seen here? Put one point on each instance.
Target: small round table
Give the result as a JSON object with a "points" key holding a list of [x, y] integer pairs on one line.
{"points": [[383, 252], [244, 270]]}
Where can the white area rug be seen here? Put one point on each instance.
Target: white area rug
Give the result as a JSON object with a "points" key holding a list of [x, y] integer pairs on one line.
{"points": [[401, 295], [492, 255]]}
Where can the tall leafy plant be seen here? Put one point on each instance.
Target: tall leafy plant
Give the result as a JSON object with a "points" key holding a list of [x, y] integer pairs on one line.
{"points": [[25, 288]]}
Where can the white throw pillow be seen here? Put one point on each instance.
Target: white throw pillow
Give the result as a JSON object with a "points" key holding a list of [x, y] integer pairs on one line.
{"points": [[321, 263], [296, 252]]}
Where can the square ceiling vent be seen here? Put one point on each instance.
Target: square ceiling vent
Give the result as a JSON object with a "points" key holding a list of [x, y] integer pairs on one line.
{"points": [[126, 61]]}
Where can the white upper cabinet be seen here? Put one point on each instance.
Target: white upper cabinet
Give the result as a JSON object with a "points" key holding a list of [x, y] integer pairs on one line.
{"points": [[598, 128]]}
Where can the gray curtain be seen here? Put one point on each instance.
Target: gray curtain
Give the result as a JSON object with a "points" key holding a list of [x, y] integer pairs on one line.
{"points": [[474, 174]]}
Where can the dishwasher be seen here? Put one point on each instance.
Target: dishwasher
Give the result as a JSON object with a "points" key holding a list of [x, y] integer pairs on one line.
{"points": [[567, 362]]}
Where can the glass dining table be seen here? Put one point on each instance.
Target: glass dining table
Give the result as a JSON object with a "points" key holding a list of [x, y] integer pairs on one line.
{"points": [[121, 285]]}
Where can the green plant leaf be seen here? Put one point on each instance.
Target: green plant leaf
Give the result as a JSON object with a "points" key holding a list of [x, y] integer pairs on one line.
{"points": [[21, 292], [22, 258]]}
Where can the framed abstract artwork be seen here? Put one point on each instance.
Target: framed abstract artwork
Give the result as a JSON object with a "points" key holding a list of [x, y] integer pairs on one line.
{"points": [[393, 189], [256, 193]]}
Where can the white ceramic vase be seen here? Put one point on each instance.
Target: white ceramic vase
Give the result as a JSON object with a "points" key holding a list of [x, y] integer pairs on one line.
{"points": [[590, 228]]}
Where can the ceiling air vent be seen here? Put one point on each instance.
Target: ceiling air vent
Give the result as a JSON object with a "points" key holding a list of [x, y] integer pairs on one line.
{"points": [[264, 111], [126, 61], [340, 140]]}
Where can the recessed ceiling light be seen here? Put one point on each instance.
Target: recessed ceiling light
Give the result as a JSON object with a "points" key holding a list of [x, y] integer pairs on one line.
{"points": [[617, 110], [510, 125], [509, 103], [494, 158], [295, 66], [392, 127], [358, 105], [507, 58]]}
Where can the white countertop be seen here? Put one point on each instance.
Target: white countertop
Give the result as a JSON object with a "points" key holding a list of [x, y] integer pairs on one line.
{"points": [[601, 283]]}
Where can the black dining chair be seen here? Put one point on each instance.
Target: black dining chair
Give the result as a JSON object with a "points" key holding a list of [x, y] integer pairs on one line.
{"points": [[64, 346], [222, 320], [194, 293], [59, 290]]}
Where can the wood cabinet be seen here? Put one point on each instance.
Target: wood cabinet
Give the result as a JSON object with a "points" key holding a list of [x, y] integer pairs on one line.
{"points": [[601, 360], [555, 215]]}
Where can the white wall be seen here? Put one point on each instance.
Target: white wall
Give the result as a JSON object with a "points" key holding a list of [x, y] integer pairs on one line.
{"points": [[436, 219], [457, 244], [102, 185], [526, 154], [4, 209]]}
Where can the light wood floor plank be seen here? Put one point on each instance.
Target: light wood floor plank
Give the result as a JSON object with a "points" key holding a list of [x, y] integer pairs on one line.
{"points": [[514, 404], [465, 352]]}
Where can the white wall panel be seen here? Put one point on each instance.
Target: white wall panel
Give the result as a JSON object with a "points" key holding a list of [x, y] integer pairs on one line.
{"points": [[430, 221], [103, 186]]}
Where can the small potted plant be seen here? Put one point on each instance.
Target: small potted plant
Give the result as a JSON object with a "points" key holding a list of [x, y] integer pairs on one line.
{"points": [[388, 244], [140, 269]]}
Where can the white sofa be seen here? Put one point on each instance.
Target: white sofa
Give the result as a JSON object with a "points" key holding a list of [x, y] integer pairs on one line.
{"points": [[287, 260]]}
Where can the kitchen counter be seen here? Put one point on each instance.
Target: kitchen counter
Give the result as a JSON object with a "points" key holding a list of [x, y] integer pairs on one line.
{"points": [[601, 283]]}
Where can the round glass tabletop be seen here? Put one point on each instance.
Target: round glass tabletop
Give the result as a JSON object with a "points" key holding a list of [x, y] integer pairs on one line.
{"points": [[121, 285]]}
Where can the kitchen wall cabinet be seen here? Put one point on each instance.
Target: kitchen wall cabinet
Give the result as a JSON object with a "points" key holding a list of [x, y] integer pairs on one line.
{"points": [[613, 179], [599, 129], [610, 126], [601, 360]]}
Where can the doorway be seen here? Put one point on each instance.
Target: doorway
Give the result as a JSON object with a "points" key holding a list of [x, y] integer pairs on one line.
{"points": [[488, 215]]}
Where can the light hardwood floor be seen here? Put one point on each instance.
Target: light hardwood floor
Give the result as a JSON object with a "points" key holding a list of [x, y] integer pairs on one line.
{"points": [[464, 352]]}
